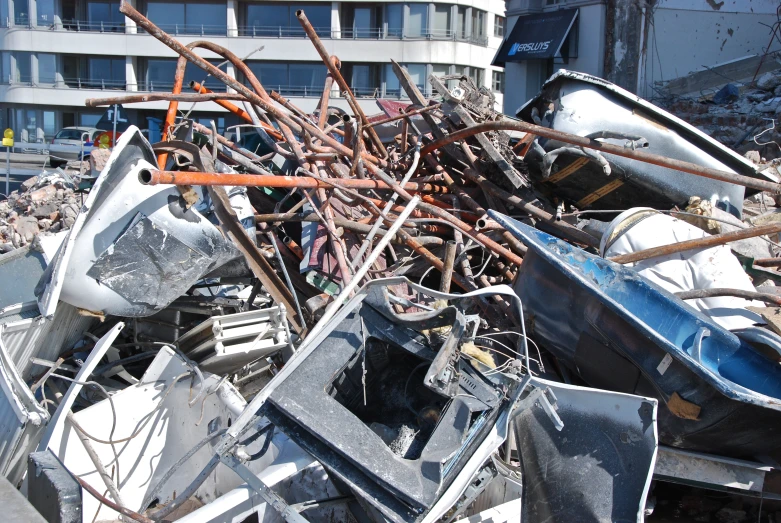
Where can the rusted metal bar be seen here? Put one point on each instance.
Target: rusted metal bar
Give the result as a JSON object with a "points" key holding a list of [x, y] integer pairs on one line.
{"points": [[110, 504], [643, 156], [700, 243], [404, 131], [404, 114], [767, 262], [349, 131], [447, 270], [325, 98], [700, 294], [173, 106], [156, 97], [337, 74], [438, 264], [241, 113], [567, 231], [157, 177]]}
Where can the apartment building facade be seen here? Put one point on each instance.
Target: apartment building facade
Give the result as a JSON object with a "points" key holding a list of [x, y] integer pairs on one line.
{"points": [[57, 53]]}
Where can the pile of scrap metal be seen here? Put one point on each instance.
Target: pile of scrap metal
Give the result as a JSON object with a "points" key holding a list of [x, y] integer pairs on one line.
{"points": [[231, 335]]}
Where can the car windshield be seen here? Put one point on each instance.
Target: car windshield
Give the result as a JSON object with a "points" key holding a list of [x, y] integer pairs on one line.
{"points": [[69, 134]]}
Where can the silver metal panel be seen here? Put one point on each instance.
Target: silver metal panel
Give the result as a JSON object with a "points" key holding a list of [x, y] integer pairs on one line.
{"points": [[21, 420], [26, 337]]}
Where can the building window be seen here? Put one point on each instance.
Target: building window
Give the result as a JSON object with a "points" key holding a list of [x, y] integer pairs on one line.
{"points": [[364, 79], [45, 12], [394, 20], [104, 16], [199, 18], [21, 12], [461, 32], [478, 25], [5, 67], [159, 75], [477, 76], [279, 20], [294, 79], [23, 70], [497, 81], [417, 22], [47, 69], [106, 73], [440, 25], [49, 125], [3, 22], [499, 26]]}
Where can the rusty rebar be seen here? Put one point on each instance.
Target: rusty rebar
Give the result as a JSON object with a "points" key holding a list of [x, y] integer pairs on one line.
{"points": [[156, 97], [404, 115], [699, 243], [160, 177], [447, 270], [337, 74]]}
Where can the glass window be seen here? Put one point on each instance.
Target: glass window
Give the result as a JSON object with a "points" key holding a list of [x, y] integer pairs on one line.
{"points": [[104, 16], [106, 73], [5, 67], [21, 12], [267, 20], [89, 120], [363, 22], [457, 69], [461, 23], [193, 73], [478, 24], [3, 18], [440, 69], [477, 76], [206, 19], [45, 10], [498, 26], [273, 76], [307, 78], [440, 26], [167, 15], [361, 81], [319, 15], [47, 68], [417, 22], [497, 82], [392, 87], [394, 17], [23, 67], [418, 74], [49, 124]]}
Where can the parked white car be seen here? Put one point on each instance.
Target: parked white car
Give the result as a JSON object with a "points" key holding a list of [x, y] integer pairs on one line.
{"points": [[67, 144]]}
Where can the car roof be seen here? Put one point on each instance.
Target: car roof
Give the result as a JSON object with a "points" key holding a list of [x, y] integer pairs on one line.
{"points": [[81, 128]]}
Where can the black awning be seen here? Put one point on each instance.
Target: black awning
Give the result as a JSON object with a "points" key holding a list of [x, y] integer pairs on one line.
{"points": [[536, 37]]}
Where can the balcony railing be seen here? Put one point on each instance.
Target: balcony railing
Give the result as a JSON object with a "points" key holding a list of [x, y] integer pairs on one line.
{"points": [[94, 27], [165, 86], [95, 83], [264, 31]]}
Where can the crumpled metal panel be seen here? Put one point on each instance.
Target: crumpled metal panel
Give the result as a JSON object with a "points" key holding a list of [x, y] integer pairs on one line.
{"points": [[598, 467], [110, 211], [22, 420]]}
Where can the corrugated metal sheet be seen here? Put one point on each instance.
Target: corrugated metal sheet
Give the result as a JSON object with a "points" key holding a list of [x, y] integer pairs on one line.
{"points": [[25, 336], [22, 420]]}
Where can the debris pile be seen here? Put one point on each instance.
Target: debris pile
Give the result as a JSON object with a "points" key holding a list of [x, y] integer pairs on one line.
{"points": [[430, 314], [46, 203]]}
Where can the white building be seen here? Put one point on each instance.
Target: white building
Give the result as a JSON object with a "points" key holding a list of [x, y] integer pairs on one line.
{"points": [[633, 43], [57, 53]]}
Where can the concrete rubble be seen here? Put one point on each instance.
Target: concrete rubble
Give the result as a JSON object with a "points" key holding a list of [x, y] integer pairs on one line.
{"points": [[434, 313]]}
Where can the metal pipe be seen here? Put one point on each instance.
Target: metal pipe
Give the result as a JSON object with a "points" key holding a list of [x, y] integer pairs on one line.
{"points": [[643, 156], [156, 97], [447, 271], [157, 177], [568, 231], [438, 264], [273, 238], [173, 106], [369, 237], [349, 130], [700, 243], [404, 115], [110, 504], [337, 74], [767, 262], [739, 293], [325, 98]]}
